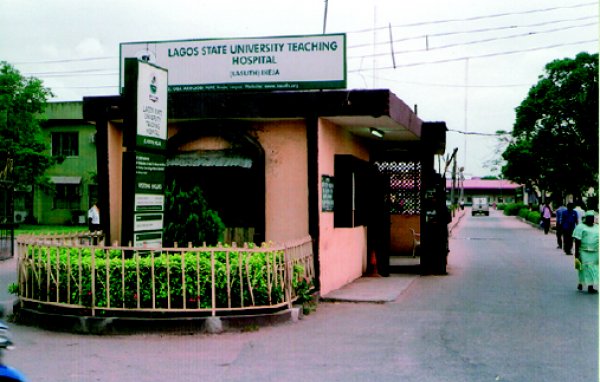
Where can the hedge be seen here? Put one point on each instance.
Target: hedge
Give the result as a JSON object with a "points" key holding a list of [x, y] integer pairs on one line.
{"points": [[258, 269]]}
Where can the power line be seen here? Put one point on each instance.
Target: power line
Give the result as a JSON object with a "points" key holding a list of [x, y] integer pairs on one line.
{"points": [[66, 61], [479, 56], [479, 133], [473, 31], [453, 85], [368, 30], [77, 73], [473, 42]]}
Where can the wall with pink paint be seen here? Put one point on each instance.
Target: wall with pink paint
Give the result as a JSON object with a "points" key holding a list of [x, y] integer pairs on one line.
{"points": [[115, 166], [286, 177], [342, 251]]}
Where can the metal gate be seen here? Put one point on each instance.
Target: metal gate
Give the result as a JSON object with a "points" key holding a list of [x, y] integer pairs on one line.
{"points": [[7, 212]]}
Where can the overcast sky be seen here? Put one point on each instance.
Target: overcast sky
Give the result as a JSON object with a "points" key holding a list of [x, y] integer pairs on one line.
{"points": [[469, 63]]}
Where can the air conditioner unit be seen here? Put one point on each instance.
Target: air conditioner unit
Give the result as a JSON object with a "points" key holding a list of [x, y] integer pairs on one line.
{"points": [[19, 216]]}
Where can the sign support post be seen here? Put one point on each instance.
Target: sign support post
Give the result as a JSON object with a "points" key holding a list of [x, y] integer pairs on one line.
{"points": [[144, 162]]}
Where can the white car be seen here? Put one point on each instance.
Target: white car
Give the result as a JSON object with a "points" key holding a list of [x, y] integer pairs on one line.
{"points": [[480, 206]]}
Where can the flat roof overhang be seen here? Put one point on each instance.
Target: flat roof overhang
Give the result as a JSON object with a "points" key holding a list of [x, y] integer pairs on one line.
{"points": [[354, 110]]}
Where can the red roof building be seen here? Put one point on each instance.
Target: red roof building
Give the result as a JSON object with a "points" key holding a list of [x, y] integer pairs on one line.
{"points": [[497, 191]]}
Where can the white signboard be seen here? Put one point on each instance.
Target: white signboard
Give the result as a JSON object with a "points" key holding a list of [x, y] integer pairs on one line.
{"points": [[269, 63], [148, 239], [149, 202], [147, 222], [152, 106]]}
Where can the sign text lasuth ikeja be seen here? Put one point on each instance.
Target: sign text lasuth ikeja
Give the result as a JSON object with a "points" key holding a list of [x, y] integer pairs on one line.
{"points": [[270, 63]]}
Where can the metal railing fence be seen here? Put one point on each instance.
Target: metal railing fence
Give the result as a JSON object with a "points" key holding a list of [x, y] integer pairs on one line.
{"points": [[69, 273]]}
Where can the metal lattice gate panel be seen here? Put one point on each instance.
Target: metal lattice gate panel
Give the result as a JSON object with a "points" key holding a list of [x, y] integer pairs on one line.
{"points": [[405, 186]]}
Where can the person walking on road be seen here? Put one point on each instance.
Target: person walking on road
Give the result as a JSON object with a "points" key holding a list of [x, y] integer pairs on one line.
{"points": [[559, 233], [569, 221], [586, 252], [546, 216]]}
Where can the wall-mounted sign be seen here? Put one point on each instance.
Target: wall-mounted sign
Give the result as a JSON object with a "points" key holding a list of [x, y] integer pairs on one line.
{"points": [[148, 239], [327, 193], [266, 63], [148, 222], [149, 174], [149, 203]]}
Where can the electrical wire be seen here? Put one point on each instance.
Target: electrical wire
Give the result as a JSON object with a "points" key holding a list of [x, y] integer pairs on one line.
{"points": [[497, 134], [473, 31], [483, 17], [487, 55], [473, 42]]}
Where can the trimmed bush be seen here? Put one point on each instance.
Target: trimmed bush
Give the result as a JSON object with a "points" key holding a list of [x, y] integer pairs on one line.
{"points": [[514, 208], [534, 217], [129, 280]]}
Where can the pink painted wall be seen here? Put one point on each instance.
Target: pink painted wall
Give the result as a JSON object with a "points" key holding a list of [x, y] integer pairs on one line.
{"points": [[286, 177], [342, 251], [115, 165]]}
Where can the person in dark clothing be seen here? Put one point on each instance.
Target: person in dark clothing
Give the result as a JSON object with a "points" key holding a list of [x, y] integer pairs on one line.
{"points": [[559, 234], [569, 221], [546, 216]]}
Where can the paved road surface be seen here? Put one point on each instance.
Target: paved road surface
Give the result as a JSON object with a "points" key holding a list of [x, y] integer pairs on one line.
{"points": [[508, 311]]}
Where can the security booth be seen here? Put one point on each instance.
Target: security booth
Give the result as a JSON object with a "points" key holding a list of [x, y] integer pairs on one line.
{"points": [[279, 164], [406, 179]]}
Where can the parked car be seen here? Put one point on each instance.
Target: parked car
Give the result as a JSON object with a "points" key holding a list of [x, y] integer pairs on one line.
{"points": [[480, 206]]}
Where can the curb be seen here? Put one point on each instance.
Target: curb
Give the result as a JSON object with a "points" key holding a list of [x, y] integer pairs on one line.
{"points": [[132, 325]]}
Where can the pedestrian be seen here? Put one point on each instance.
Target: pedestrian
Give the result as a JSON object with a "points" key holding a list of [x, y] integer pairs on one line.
{"points": [[569, 221], [559, 234], [580, 209], [94, 217], [546, 216], [586, 252]]}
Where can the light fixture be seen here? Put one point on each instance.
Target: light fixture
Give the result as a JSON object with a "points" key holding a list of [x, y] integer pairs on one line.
{"points": [[377, 133]]}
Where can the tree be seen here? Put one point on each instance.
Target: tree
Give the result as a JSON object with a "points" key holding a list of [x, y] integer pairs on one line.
{"points": [[22, 101], [554, 144], [188, 219]]}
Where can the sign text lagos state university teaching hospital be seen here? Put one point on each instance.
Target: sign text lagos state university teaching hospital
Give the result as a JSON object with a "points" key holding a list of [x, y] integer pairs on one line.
{"points": [[273, 63]]}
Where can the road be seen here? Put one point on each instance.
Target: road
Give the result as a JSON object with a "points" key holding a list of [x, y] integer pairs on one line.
{"points": [[507, 311]]}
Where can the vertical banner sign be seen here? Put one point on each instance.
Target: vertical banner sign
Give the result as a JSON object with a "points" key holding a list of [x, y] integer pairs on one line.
{"points": [[145, 136]]}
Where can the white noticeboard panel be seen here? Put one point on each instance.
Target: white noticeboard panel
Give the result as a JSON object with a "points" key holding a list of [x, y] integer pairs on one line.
{"points": [[266, 63]]}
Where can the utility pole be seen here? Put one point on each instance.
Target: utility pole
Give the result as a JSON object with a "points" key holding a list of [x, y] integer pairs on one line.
{"points": [[325, 17]]}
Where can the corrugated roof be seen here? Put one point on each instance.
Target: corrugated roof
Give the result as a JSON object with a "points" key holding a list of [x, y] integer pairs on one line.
{"points": [[209, 159], [486, 184], [65, 179]]}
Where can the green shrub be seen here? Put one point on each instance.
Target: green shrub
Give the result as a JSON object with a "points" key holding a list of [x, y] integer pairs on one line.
{"points": [[117, 276], [534, 217], [514, 208], [189, 220], [523, 212]]}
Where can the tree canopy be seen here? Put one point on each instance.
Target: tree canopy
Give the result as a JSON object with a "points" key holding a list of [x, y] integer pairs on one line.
{"points": [[554, 143], [22, 101]]}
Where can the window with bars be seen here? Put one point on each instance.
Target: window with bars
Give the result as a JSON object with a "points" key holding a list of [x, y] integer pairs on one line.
{"points": [[65, 144], [404, 195]]}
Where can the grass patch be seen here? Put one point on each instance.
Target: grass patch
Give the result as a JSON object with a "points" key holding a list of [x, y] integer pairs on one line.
{"points": [[41, 229]]}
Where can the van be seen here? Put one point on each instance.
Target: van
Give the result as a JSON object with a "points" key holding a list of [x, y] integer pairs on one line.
{"points": [[480, 206]]}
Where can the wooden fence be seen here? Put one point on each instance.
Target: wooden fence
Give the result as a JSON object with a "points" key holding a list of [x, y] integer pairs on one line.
{"points": [[66, 272]]}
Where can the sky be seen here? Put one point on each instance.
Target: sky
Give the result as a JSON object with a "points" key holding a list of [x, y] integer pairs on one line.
{"points": [[468, 63]]}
